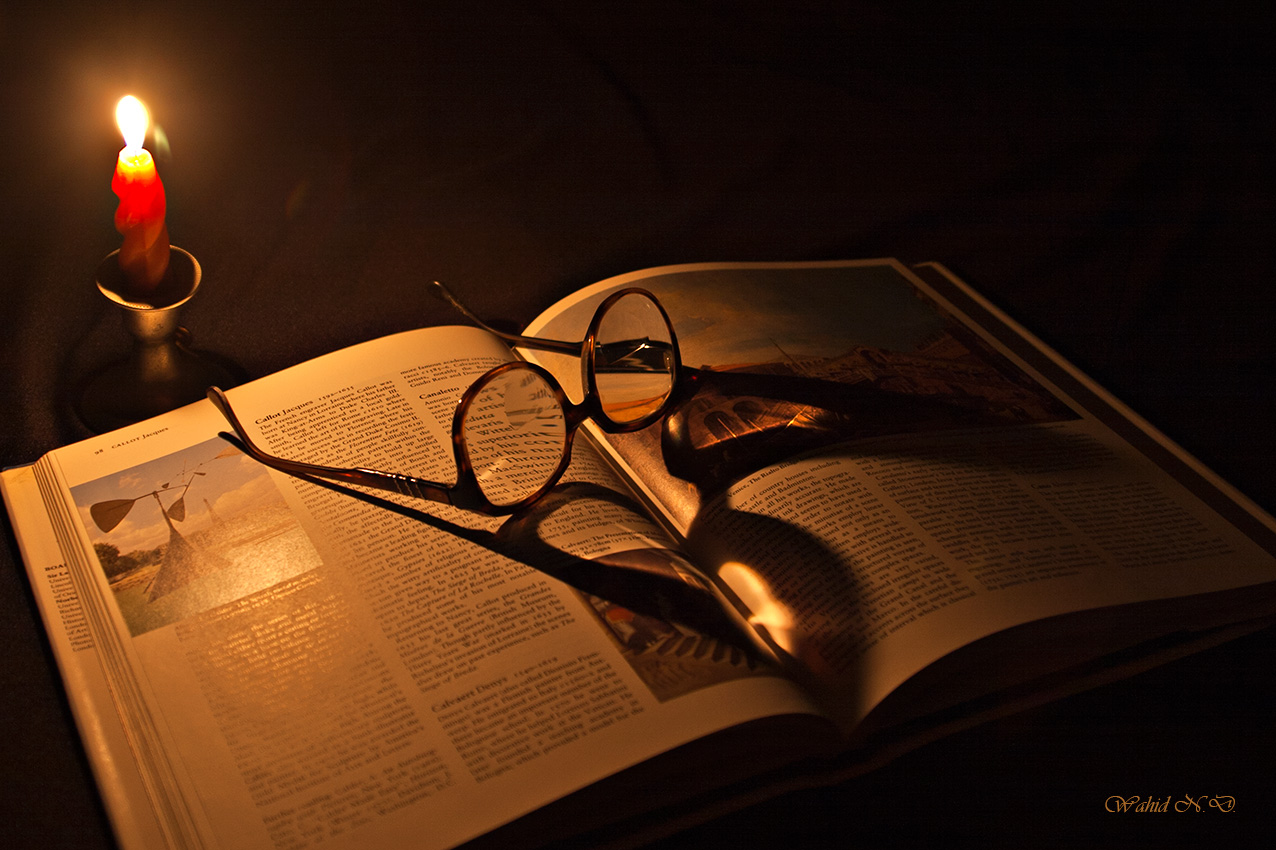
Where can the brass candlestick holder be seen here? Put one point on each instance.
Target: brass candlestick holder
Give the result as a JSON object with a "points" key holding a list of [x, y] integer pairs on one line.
{"points": [[162, 371]]}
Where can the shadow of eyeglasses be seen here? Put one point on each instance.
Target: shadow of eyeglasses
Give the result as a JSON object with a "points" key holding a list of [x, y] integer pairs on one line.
{"points": [[724, 424]]}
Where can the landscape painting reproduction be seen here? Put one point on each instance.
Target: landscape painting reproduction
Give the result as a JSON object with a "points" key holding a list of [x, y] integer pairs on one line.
{"points": [[189, 532], [863, 353]]}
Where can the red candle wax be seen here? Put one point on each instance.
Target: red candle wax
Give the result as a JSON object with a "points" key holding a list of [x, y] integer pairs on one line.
{"points": [[140, 216]]}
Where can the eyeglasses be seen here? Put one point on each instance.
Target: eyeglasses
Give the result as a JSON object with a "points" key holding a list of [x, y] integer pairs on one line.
{"points": [[512, 430]]}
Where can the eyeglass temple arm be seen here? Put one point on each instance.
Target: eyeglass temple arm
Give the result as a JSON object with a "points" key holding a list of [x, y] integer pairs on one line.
{"points": [[405, 485], [573, 348]]}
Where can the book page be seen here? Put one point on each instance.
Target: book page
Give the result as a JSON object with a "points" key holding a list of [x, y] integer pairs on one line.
{"points": [[928, 546], [880, 482], [357, 668], [79, 663]]}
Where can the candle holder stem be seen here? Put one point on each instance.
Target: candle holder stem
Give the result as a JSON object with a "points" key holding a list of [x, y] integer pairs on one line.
{"points": [[162, 371]]}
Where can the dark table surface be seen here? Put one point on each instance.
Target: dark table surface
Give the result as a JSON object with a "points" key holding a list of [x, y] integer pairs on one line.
{"points": [[1103, 172]]}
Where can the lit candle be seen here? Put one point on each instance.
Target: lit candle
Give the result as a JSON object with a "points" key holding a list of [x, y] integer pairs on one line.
{"points": [[140, 215]]}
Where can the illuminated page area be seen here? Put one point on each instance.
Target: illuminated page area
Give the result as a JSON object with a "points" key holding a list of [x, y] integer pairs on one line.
{"points": [[361, 669]]}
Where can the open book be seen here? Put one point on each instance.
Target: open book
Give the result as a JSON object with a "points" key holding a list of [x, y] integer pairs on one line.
{"points": [[881, 511]]}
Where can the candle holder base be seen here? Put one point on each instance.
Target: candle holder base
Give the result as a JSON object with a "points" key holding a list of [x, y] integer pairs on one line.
{"points": [[162, 371]]}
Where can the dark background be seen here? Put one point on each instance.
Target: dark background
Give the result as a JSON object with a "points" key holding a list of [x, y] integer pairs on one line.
{"points": [[1103, 171]]}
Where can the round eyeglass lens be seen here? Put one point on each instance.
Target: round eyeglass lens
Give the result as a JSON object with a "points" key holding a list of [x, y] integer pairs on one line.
{"points": [[633, 359], [515, 434]]}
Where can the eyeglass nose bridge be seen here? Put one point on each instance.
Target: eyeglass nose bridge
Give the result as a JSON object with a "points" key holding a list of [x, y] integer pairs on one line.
{"points": [[587, 351]]}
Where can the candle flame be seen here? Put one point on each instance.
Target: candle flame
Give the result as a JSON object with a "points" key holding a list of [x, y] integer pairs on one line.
{"points": [[132, 118]]}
